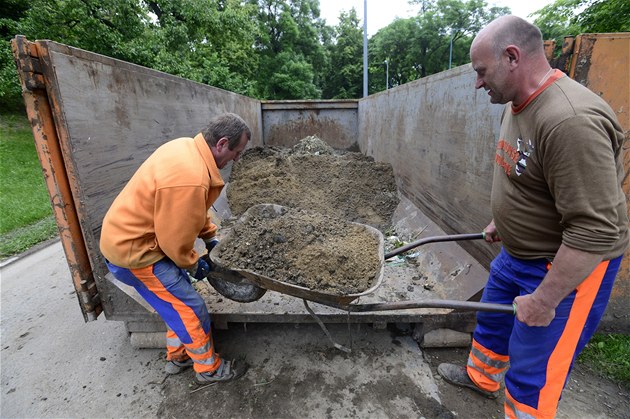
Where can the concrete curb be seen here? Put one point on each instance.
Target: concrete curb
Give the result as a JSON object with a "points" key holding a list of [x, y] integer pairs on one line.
{"points": [[36, 248]]}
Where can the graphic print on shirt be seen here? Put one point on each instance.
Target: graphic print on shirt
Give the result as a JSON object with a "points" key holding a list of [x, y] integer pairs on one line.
{"points": [[507, 156], [524, 151]]}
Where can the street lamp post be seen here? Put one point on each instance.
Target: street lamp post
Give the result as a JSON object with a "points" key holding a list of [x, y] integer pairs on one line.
{"points": [[450, 54], [386, 74], [365, 50]]}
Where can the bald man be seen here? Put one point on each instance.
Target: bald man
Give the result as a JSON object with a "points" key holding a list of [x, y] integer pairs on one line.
{"points": [[561, 217]]}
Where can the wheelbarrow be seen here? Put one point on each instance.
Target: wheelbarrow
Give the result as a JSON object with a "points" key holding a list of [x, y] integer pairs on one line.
{"points": [[245, 285]]}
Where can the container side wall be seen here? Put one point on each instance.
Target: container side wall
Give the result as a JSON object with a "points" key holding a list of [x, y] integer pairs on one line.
{"points": [[439, 134], [113, 116], [285, 123]]}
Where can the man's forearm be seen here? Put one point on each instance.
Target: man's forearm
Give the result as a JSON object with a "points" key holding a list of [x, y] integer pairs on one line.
{"points": [[570, 267]]}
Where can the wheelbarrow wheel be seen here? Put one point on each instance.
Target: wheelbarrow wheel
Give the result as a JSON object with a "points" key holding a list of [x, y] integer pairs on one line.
{"points": [[234, 286]]}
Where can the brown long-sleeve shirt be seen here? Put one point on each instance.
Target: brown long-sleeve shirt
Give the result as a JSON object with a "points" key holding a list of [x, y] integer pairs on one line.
{"points": [[558, 174]]}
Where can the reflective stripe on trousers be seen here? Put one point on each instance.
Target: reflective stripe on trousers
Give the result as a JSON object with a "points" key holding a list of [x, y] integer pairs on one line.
{"points": [[538, 359], [168, 290]]}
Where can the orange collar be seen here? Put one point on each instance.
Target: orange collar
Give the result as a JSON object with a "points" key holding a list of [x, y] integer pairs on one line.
{"points": [[557, 74]]}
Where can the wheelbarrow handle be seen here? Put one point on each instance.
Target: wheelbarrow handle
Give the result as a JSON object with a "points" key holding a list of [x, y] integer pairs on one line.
{"points": [[449, 304], [434, 239]]}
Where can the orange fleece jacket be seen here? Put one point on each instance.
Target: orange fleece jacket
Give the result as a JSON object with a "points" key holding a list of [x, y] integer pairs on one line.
{"points": [[164, 207]]}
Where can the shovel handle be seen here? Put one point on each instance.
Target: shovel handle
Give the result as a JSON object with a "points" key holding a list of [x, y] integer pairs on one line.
{"points": [[434, 239]]}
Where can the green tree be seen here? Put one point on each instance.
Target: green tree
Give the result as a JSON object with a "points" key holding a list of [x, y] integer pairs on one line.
{"points": [[289, 45], [345, 75], [420, 46], [10, 92], [555, 21], [561, 18], [208, 41], [605, 16], [103, 26]]}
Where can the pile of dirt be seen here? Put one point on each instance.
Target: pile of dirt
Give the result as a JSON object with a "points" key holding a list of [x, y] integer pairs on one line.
{"points": [[303, 248], [315, 177]]}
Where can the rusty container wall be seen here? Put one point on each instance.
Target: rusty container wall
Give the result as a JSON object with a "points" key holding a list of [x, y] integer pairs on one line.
{"points": [[286, 122], [439, 134], [602, 63], [110, 116]]}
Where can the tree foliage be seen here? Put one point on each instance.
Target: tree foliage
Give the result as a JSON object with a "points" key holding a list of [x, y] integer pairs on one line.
{"points": [[573, 17], [277, 49], [10, 94], [420, 46], [345, 74], [289, 45]]}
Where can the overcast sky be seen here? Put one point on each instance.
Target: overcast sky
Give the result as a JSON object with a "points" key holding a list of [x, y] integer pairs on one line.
{"points": [[382, 12]]}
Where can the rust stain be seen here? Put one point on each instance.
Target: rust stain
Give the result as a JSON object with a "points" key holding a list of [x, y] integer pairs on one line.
{"points": [[43, 112]]}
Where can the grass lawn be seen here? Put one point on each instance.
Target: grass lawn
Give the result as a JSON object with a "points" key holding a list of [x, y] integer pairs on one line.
{"points": [[25, 211], [609, 354]]}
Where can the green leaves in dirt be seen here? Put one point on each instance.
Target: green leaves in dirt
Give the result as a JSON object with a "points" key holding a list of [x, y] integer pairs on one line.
{"points": [[609, 354]]}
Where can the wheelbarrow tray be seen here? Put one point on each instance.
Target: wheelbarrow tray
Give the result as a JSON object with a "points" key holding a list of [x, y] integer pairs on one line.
{"points": [[314, 295]]}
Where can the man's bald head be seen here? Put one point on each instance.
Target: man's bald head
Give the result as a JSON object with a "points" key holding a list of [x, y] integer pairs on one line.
{"points": [[511, 30]]}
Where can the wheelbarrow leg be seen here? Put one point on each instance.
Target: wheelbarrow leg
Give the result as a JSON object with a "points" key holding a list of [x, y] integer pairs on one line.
{"points": [[323, 326]]}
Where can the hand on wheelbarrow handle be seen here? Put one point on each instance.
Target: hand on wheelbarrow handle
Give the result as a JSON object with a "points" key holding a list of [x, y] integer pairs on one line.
{"points": [[434, 239]]}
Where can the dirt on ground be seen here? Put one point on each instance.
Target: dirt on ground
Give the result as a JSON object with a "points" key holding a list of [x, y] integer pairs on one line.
{"points": [[587, 394], [315, 177], [293, 374], [304, 248]]}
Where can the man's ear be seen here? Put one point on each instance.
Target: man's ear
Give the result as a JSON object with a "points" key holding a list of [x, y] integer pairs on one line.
{"points": [[223, 142], [513, 54]]}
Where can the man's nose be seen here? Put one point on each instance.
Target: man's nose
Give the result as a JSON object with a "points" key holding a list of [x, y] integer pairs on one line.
{"points": [[479, 83]]}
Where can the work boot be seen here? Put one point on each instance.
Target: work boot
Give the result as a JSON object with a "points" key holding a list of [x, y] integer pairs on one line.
{"points": [[458, 376], [175, 367], [228, 371]]}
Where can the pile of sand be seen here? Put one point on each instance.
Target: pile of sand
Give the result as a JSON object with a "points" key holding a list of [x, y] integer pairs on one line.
{"points": [[314, 244], [313, 176]]}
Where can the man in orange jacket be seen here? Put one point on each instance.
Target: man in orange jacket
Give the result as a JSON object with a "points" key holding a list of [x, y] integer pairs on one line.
{"points": [[149, 232]]}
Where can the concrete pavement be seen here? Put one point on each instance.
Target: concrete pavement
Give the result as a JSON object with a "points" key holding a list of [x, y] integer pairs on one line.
{"points": [[55, 365], [52, 363]]}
